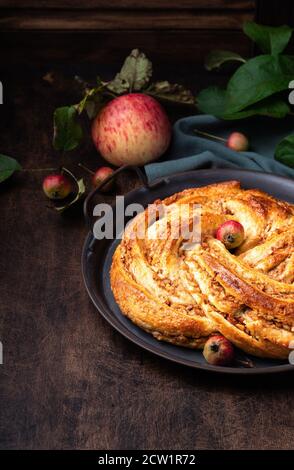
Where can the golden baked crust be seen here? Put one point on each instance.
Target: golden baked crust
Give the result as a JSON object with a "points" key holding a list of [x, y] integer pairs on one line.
{"points": [[183, 292]]}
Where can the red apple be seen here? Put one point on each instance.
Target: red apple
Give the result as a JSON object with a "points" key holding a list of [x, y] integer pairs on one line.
{"points": [[131, 129], [100, 175], [231, 234], [57, 186], [218, 351], [238, 142]]}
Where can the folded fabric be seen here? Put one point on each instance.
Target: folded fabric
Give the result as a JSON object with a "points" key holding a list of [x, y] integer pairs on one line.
{"points": [[190, 151]]}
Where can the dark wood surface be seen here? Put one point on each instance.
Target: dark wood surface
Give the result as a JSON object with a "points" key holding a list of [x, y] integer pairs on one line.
{"points": [[174, 48], [124, 15], [69, 380], [185, 30], [125, 20], [126, 4], [182, 33], [129, 14]]}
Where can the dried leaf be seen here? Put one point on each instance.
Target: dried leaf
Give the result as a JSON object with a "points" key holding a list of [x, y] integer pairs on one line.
{"points": [[171, 92], [135, 74]]}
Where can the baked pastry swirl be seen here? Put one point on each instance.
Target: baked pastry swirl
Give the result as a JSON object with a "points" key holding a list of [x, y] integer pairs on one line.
{"points": [[182, 292]]}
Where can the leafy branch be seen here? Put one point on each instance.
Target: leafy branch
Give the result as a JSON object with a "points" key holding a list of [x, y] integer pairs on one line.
{"points": [[134, 76], [258, 86]]}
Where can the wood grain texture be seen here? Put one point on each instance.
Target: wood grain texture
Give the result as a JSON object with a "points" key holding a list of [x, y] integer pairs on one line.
{"points": [[136, 4], [121, 20], [108, 47], [69, 380]]}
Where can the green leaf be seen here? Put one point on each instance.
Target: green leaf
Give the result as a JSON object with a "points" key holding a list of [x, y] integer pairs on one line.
{"points": [[272, 106], [270, 39], [67, 131], [94, 106], [217, 58], [171, 92], [8, 166], [134, 75], [212, 100], [81, 189], [285, 151], [92, 102], [256, 86], [259, 78]]}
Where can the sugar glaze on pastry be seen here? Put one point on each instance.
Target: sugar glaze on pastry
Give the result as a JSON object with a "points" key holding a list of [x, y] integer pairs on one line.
{"points": [[183, 296]]}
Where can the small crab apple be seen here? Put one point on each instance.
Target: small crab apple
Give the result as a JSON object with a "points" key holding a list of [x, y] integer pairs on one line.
{"points": [[57, 186], [238, 142], [231, 234], [218, 351], [100, 175]]}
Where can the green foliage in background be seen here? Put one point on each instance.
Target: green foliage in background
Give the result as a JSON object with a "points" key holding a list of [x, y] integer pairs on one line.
{"points": [[258, 86]]}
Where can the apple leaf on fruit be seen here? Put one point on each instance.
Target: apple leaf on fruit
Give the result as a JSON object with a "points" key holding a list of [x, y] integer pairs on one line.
{"points": [[270, 39], [93, 106], [217, 58], [285, 151], [8, 166], [135, 74], [171, 92], [67, 131], [92, 102], [93, 99], [81, 189]]}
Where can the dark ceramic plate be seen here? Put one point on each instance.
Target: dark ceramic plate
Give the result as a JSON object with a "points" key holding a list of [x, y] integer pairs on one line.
{"points": [[97, 256]]}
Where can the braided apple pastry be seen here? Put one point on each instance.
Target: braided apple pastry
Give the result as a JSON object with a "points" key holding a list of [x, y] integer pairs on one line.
{"points": [[182, 290]]}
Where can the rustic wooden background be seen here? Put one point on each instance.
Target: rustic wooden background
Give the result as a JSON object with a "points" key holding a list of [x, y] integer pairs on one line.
{"points": [[68, 380], [101, 30]]}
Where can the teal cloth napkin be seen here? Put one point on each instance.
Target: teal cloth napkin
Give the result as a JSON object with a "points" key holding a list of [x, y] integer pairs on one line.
{"points": [[189, 151]]}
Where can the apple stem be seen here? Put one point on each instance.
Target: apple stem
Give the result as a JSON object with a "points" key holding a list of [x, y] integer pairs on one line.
{"points": [[211, 136], [86, 169]]}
